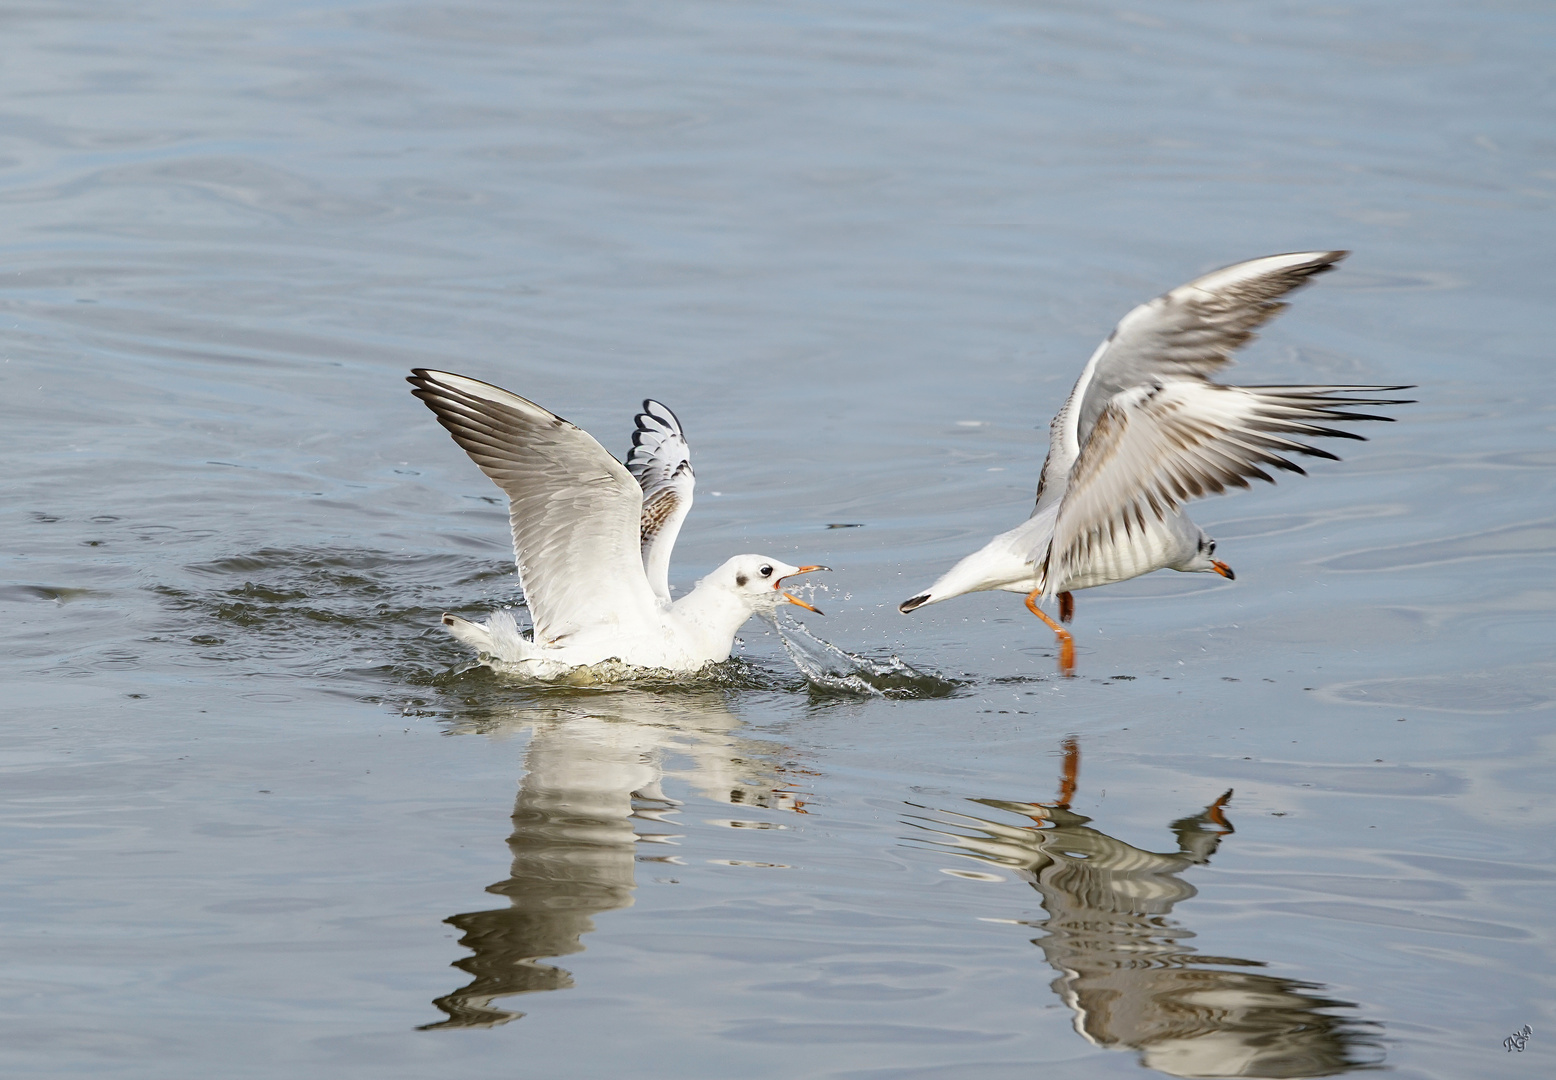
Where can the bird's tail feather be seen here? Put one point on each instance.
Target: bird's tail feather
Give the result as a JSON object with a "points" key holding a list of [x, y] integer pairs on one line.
{"points": [[498, 637]]}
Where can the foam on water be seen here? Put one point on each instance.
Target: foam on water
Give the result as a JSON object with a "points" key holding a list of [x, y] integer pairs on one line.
{"points": [[824, 666]]}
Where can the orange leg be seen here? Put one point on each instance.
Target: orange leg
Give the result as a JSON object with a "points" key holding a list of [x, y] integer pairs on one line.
{"points": [[1066, 642], [1071, 774], [1213, 812], [1066, 606]]}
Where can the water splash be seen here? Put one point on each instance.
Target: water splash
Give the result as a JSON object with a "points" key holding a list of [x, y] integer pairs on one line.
{"points": [[829, 668], [736, 673]]}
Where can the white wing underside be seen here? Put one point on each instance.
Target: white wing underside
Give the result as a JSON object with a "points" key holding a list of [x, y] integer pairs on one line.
{"points": [[661, 462], [1139, 551], [575, 511], [1145, 430]]}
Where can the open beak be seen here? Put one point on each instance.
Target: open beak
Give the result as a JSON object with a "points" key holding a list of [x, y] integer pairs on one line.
{"points": [[1223, 569], [795, 599]]}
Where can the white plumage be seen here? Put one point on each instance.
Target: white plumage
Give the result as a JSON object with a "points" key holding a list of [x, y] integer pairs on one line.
{"points": [[592, 539], [1145, 431]]}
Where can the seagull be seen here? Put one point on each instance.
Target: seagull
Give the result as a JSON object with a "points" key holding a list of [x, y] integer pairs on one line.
{"points": [[1145, 431], [592, 539]]}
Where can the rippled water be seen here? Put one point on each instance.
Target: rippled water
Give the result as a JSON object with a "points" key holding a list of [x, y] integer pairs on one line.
{"points": [[261, 816]]}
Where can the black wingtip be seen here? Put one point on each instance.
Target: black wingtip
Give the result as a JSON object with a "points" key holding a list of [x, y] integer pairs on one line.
{"points": [[916, 602], [1325, 262], [660, 414]]}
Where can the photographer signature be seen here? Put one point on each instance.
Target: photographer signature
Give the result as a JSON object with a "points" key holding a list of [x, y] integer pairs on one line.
{"points": [[1518, 1039]]}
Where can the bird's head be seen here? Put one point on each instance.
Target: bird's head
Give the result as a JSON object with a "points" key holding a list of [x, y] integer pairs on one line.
{"points": [[1204, 562], [756, 580]]}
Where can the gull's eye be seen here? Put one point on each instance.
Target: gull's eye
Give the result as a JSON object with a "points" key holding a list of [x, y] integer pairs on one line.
{"points": [[1211, 550], [766, 571]]}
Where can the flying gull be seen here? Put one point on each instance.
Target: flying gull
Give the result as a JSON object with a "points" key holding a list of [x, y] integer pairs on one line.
{"points": [[1145, 431]]}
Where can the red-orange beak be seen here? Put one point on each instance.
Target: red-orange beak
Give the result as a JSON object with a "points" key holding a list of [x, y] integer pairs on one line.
{"points": [[1223, 569], [795, 599]]}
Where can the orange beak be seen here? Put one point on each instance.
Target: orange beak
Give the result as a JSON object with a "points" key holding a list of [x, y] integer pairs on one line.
{"points": [[795, 599], [1223, 569]]}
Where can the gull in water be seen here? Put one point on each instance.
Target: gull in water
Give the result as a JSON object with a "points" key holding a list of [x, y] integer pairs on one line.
{"points": [[1145, 431], [592, 539]]}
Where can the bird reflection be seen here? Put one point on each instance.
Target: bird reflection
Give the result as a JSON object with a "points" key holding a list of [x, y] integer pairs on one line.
{"points": [[1126, 970], [590, 795]]}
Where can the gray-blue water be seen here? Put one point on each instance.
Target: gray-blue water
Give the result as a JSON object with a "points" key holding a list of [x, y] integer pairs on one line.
{"points": [[258, 819]]}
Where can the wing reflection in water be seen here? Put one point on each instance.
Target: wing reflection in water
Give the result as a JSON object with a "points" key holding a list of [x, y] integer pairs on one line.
{"points": [[1125, 968], [590, 795]]}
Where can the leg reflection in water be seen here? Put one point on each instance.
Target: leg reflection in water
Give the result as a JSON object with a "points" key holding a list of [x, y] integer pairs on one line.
{"points": [[1126, 970], [591, 794]]}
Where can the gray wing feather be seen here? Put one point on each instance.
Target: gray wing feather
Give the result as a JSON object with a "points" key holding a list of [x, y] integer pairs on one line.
{"points": [[574, 509], [661, 462], [1191, 331], [1155, 448]]}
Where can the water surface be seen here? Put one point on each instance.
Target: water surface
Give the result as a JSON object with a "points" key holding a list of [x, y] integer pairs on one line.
{"points": [[260, 814]]}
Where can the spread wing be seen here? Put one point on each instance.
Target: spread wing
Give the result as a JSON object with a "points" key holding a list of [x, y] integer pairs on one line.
{"points": [[574, 509], [662, 464], [1154, 447], [1191, 331]]}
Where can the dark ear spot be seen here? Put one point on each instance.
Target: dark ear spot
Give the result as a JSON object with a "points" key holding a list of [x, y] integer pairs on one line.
{"points": [[740, 580]]}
